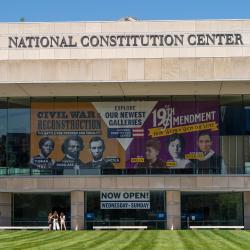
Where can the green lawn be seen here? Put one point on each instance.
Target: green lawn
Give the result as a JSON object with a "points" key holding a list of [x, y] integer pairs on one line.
{"points": [[200, 239]]}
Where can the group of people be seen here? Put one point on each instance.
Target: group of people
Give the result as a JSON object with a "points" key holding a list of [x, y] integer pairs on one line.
{"points": [[71, 148], [206, 162], [56, 222]]}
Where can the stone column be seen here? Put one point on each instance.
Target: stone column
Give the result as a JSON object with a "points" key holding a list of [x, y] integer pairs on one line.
{"points": [[247, 210], [173, 209], [77, 210], [5, 209]]}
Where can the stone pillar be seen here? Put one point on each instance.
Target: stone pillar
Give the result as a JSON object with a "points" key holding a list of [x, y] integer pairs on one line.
{"points": [[247, 210], [5, 209], [173, 209], [77, 210]]}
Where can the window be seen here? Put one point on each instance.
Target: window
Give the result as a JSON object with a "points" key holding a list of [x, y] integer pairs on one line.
{"points": [[3, 134], [18, 132], [124, 217], [232, 129], [211, 209]]}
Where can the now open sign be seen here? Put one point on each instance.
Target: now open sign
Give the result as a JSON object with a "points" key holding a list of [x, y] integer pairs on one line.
{"points": [[125, 196]]}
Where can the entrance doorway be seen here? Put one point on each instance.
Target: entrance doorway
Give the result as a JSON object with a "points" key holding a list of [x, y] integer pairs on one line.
{"points": [[215, 209], [153, 218], [32, 209]]}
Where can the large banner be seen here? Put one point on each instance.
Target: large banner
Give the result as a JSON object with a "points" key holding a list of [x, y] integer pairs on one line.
{"points": [[145, 134], [178, 135]]}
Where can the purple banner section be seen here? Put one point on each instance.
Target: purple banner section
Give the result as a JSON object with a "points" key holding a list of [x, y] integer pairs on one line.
{"points": [[177, 135]]}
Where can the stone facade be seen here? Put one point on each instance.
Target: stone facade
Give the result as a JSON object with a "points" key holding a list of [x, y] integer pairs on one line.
{"points": [[124, 71]]}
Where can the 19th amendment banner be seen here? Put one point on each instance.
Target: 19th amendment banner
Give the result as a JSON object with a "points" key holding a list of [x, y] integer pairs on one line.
{"points": [[145, 134]]}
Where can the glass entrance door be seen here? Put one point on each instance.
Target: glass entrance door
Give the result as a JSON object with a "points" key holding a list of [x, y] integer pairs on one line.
{"points": [[215, 209], [153, 218], [32, 209]]}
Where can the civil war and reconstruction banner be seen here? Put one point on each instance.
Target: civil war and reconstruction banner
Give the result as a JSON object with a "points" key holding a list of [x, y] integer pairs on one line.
{"points": [[141, 134], [72, 136]]}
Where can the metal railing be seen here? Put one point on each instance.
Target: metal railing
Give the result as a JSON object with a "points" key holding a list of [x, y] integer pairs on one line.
{"points": [[28, 171]]}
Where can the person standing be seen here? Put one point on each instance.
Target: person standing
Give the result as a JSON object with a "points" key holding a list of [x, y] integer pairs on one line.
{"points": [[50, 221], [62, 221], [55, 221]]}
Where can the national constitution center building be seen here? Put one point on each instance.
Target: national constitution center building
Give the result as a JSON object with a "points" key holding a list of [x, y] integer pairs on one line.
{"points": [[125, 123]]}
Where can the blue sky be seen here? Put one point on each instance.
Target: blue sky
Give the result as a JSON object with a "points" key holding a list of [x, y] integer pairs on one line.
{"points": [[91, 10]]}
